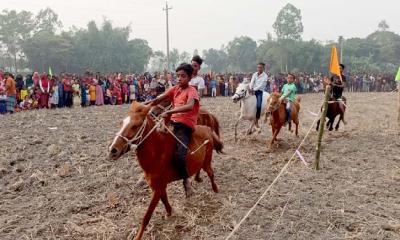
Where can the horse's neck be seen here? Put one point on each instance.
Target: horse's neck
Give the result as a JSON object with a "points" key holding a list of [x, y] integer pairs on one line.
{"points": [[280, 113], [148, 153]]}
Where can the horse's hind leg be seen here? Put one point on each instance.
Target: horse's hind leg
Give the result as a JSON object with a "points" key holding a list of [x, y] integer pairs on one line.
{"points": [[197, 178], [210, 173], [297, 127], [164, 199], [209, 170], [318, 125]]}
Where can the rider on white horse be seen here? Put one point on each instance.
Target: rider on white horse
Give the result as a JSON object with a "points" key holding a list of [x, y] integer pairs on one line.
{"points": [[257, 85]]}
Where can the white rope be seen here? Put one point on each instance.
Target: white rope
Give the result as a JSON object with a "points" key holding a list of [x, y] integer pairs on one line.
{"points": [[273, 183]]}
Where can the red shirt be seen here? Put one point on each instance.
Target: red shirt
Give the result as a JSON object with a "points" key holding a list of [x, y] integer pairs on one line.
{"points": [[180, 97], [67, 85]]}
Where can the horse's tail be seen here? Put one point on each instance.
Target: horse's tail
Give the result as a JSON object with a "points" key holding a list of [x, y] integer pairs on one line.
{"points": [[218, 145], [216, 125], [298, 99]]}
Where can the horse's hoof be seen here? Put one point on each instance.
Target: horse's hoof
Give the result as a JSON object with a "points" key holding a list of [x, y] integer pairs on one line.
{"points": [[141, 183], [189, 193], [215, 188], [169, 214], [199, 179], [131, 235]]}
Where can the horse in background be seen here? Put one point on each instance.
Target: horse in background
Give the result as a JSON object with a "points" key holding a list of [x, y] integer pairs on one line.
{"points": [[276, 111], [155, 151], [333, 110], [248, 106]]}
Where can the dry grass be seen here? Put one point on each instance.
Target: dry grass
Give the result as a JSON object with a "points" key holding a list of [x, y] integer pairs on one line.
{"points": [[58, 184]]}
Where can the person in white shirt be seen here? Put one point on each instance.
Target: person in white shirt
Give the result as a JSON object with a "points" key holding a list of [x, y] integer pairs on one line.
{"points": [[197, 81], [257, 85]]}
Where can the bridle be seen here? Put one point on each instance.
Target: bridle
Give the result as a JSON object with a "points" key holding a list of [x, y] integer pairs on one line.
{"points": [[240, 96], [138, 136], [275, 107]]}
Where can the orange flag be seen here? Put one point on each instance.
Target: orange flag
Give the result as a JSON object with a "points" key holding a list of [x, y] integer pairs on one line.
{"points": [[334, 67]]}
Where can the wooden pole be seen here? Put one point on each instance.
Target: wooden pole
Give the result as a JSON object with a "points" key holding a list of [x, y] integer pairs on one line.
{"points": [[322, 126], [398, 114]]}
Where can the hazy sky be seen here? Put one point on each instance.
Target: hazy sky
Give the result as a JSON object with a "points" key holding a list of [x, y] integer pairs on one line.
{"points": [[206, 24]]}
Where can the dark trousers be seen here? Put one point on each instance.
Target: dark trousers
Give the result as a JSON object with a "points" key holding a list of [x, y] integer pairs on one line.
{"points": [[184, 134], [68, 99], [259, 96]]}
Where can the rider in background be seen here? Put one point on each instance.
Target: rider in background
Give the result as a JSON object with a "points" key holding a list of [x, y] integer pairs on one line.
{"points": [[338, 86], [289, 95], [257, 85]]}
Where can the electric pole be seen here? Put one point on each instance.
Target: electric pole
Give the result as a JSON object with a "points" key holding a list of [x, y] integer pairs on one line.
{"points": [[341, 40], [166, 9]]}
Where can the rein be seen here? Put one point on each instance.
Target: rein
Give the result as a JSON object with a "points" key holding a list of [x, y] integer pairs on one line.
{"points": [[241, 96], [276, 107], [139, 135]]}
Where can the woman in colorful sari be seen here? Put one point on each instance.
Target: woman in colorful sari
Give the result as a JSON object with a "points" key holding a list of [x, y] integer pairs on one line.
{"points": [[99, 94], [92, 94], [54, 94], [36, 78], [44, 85]]}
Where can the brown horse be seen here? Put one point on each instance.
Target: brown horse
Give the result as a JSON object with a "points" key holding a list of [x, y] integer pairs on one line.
{"points": [[334, 110], [155, 150], [276, 109]]}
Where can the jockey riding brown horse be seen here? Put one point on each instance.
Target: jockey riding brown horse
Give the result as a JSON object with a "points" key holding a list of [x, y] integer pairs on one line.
{"points": [[155, 151], [337, 103], [276, 110]]}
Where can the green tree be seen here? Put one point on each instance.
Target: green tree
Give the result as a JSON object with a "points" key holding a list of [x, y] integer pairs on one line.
{"points": [[45, 50], [15, 28], [217, 60], [47, 20], [383, 26], [242, 53], [288, 23], [139, 54]]}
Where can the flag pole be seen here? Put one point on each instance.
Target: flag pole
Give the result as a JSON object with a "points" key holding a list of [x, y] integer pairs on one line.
{"points": [[398, 110], [322, 126], [397, 79]]}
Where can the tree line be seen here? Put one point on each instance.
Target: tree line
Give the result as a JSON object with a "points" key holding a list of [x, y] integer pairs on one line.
{"points": [[37, 42]]}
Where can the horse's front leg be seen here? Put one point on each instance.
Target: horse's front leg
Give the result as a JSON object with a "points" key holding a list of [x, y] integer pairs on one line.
{"points": [[318, 125], [236, 124], [250, 129], [153, 204]]}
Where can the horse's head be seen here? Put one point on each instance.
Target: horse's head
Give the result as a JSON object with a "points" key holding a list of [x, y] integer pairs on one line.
{"points": [[241, 92], [273, 103], [131, 132]]}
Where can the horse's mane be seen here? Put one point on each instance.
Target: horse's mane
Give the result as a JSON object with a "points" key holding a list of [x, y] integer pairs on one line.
{"points": [[275, 94]]}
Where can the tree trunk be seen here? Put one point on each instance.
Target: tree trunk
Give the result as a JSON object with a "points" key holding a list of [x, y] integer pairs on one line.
{"points": [[15, 63]]}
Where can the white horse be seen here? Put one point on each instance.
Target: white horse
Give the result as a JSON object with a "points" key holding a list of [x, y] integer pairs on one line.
{"points": [[248, 106]]}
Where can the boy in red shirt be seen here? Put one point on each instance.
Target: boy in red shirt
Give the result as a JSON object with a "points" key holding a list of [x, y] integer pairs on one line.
{"points": [[185, 102]]}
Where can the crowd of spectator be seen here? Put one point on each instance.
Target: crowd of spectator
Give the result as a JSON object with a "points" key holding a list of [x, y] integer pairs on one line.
{"points": [[35, 91]]}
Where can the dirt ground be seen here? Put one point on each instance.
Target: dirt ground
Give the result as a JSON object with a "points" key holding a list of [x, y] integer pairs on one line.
{"points": [[57, 183]]}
